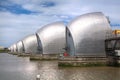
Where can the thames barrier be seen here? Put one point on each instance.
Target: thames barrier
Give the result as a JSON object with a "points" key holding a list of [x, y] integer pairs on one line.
{"points": [[87, 40], [85, 49]]}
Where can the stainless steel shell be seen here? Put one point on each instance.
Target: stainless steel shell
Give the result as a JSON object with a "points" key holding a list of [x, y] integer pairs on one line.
{"points": [[14, 48], [52, 38], [30, 44], [11, 48], [20, 47], [86, 34]]}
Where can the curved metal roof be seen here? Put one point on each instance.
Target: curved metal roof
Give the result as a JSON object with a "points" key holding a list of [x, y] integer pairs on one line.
{"points": [[30, 44], [14, 48], [87, 34], [20, 47], [11, 48], [52, 38]]}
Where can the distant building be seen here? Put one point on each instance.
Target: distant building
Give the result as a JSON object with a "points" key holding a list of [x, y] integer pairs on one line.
{"points": [[1, 47]]}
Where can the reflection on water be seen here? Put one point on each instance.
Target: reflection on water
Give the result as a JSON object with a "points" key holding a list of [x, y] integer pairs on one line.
{"points": [[18, 68]]}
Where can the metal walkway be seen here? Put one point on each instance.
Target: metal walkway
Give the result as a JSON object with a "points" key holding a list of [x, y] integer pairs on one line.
{"points": [[112, 48]]}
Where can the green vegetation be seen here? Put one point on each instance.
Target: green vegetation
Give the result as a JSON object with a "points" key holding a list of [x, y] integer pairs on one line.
{"points": [[3, 51], [114, 65], [42, 58], [81, 64]]}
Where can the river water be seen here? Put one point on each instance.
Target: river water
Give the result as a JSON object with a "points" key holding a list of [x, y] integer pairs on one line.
{"points": [[19, 68]]}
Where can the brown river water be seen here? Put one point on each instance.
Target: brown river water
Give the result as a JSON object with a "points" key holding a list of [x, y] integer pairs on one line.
{"points": [[19, 68]]}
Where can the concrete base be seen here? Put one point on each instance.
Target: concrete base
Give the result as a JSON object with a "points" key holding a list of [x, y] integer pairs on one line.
{"points": [[23, 55], [82, 61], [9, 52], [44, 57], [119, 62], [113, 61], [14, 53]]}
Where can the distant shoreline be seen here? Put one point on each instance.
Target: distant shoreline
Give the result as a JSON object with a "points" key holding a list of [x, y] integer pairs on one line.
{"points": [[2, 51]]}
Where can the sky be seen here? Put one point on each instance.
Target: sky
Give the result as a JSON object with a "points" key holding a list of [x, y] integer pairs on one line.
{"points": [[19, 18]]}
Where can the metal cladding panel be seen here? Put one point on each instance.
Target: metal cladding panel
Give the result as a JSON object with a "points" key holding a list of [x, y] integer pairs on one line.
{"points": [[30, 44], [14, 48], [52, 38], [20, 47], [89, 32], [11, 49], [70, 44]]}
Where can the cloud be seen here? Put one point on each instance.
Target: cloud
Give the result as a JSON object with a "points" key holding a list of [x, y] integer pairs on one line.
{"points": [[19, 26], [20, 18]]}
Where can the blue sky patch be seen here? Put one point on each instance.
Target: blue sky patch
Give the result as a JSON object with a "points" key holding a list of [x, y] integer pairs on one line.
{"points": [[47, 4], [115, 24], [14, 8]]}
